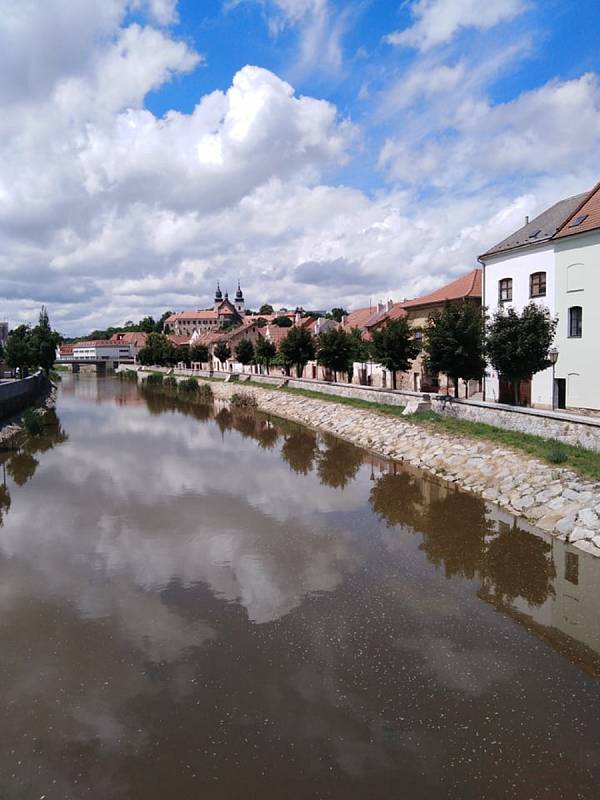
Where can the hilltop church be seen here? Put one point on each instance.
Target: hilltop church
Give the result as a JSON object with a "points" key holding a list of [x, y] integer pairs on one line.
{"points": [[184, 323]]}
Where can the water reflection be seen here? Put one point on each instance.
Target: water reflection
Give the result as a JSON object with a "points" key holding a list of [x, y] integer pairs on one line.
{"points": [[197, 601]]}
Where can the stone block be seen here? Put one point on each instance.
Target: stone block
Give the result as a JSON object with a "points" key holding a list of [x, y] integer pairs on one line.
{"points": [[578, 533]]}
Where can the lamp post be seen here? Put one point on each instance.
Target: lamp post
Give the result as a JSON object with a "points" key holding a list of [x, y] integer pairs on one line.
{"points": [[553, 356]]}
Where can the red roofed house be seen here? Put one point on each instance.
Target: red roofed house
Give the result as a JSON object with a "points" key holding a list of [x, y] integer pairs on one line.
{"points": [[417, 312]]}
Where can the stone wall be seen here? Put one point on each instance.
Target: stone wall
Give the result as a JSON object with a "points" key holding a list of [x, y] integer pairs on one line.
{"points": [[567, 428], [17, 395]]}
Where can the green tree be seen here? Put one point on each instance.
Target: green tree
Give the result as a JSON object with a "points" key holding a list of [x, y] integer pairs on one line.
{"points": [[199, 353], [244, 352], [338, 313], [454, 342], [361, 350], [297, 348], [17, 351], [158, 350], [335, 350], [222, 351], [147, 325], [265, 309], [160, 325], [181, 354], [283, 322], [394, 346], [518, 344], [265, 352]]}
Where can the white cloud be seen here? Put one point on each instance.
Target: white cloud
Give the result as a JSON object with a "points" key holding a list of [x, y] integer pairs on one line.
{"points": [[437, 21]]}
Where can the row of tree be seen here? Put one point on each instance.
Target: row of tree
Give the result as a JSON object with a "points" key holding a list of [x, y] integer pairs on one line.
{"points": [[455, 341]]}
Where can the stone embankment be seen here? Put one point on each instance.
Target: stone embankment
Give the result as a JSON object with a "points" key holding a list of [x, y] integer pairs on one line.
{"points": [[13, 426], [553, 499]]}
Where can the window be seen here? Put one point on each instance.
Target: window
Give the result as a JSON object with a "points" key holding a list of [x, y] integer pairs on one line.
{"points": [[577, 221], [537, 284], [505, 290], [575, 322]]}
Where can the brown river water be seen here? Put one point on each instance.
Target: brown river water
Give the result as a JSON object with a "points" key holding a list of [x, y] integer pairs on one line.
{"points": [[200, 603]]}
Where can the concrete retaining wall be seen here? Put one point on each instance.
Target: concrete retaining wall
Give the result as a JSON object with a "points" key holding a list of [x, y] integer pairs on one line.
{"points": [[17, 395]]}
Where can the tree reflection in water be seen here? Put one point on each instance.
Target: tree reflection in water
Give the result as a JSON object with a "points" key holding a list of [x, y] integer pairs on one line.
{"points": [[299, 451], [21, 465], [339, 464], [458, 535]]}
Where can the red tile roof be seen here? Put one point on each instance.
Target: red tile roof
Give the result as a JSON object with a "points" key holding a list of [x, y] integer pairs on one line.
{"points": [[96, 343], [137, 338], [357, 318], [468, 285], [589, 213], [178, 340]]}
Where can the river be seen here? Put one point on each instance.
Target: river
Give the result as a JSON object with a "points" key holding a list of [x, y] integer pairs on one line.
{"points": [[200, 603]]}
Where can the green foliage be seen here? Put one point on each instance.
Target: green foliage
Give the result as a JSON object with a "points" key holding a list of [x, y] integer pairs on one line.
{"points": [[199, 354], [188, 386], [160, 325], [265, 352], [147, 325], [337, 314], [361, 351], [335, 350], [33, 347], [283, 322], [518, 344], [265, 309], [32, 422], [128, 375], [454, 342], [243, 400], [297, 348], [394, 346], [244, 352], [205, 392], [155, 379], [157, 351], [261, 322], [180, 354], [222, 351], [558, 455], [170, 383]]}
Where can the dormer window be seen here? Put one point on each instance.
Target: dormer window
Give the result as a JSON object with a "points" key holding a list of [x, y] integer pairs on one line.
{"points": [[537, 284], [505, 290]]}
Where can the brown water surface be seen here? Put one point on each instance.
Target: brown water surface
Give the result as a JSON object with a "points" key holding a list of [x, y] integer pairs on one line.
{"points": [[196, 603]]}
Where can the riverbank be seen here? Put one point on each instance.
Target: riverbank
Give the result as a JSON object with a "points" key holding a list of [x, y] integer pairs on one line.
{"points": [[552, 499], [13, 426]]}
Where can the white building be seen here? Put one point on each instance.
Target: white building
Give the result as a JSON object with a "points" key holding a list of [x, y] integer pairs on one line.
{"points": [[102, 350], [519, 270], [578, 307]]}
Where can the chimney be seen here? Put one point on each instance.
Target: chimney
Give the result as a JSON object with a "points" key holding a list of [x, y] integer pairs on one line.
{"points": [[344, 320], [527, 219], [380, 306], [390, 304]]}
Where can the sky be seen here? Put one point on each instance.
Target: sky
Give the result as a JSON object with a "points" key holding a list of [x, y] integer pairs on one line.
{"points": [[323, 152]]}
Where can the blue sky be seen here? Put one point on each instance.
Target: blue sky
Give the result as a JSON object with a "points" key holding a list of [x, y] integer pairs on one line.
{"points": [[325, 152]]}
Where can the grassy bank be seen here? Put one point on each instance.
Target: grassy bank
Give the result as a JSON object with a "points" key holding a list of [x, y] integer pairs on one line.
{"points": [[551, 451]]}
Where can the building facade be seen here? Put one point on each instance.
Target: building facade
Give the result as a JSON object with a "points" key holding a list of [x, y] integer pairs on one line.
{"points": [[519, 270]]}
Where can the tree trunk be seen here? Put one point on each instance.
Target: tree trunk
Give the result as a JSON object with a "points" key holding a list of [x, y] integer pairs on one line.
{"points": [[455, 386], [394, 379], [516, 385]]}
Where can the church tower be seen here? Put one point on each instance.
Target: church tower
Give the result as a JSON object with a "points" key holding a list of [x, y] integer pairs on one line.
{"points": [[218, 297], [240, 305]]}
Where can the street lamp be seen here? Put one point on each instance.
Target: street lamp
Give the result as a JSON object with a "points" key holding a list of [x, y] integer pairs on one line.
{"points": [[553, 356]]}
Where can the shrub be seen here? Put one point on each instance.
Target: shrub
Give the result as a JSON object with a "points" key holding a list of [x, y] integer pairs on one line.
{"points": [[243, 400], [205, 391], [155, 379], [32, 422], [128, 375], [557, 454], [170, 383], [188, 386]]}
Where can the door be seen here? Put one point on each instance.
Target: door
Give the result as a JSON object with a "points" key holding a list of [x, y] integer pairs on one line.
{"points": [[560, 393]]}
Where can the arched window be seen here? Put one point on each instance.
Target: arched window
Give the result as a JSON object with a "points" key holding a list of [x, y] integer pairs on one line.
{"points": [[575, 322], [537, 284], [505, 290]]}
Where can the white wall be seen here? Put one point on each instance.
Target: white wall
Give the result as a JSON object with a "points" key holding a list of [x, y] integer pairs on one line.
{"points": [[105, 353], [519, 266], [578, 284]]}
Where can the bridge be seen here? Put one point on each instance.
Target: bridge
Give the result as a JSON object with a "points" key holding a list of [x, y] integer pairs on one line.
{"points": [[99, 365]]}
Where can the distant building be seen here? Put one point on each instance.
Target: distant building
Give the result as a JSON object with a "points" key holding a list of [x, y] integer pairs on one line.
{"points": [[223, 312]]}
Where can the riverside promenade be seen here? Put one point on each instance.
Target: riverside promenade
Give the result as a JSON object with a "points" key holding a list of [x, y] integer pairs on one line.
{"points": [[552, 499]]}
